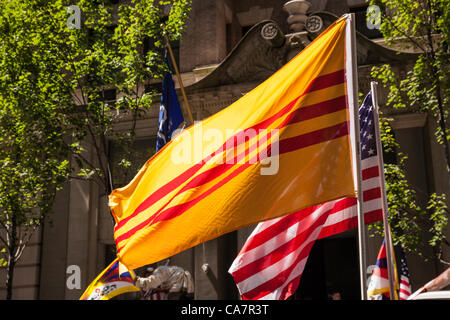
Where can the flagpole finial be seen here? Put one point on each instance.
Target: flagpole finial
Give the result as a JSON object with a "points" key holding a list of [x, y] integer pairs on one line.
{"points": [[163, 28]]}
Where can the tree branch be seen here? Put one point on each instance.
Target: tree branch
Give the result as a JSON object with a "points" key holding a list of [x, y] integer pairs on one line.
{"points": [[405, 34]]}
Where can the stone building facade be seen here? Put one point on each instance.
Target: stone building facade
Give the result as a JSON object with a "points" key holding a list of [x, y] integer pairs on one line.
{"points": [[230, 47]]}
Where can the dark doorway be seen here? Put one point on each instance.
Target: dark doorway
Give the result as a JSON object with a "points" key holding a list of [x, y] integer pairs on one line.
{"points": [[332, 266]]}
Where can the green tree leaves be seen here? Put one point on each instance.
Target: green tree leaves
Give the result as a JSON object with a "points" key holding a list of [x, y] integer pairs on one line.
{"points": [[55, 101], [424, 27], [412, 226]]}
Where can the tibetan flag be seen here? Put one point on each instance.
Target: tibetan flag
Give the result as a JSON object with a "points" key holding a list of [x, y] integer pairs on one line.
{"points": [[378, 287], [282, 147], [170, 115], [114, 280]]}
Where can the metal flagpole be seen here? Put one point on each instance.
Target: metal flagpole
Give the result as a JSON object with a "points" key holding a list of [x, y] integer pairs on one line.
{"points": [[352, 81], [188, 108], [179, 78], [387, 230]]}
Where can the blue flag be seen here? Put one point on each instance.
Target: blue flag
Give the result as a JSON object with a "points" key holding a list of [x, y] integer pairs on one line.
{"points": [[170, 115]]}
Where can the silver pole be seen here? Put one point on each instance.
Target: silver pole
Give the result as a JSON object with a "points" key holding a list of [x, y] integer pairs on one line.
{"points": [[387, 230], [352, 74]]}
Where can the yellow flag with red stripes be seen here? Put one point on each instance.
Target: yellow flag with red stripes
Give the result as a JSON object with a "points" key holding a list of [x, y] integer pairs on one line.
{"points": [[282, 147]]}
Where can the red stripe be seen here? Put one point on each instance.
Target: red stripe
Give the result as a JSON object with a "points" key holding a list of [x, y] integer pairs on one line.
{"points": [[321, 82], [318, 83], [301, 114], [344, 204], [339, 227], [293, 144], [206, 176], [373, 216], [405, 293], [318, 109], [212, 173], [327, 80], [312, 138], [382, 254], [371, 194], [371, 172], [350, 223]]}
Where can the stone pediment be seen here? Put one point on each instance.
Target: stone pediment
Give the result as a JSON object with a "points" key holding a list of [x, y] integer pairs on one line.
{"points": [[264, 49], [253, 59]]}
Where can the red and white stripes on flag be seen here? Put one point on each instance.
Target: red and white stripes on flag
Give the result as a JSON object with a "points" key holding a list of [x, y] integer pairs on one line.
{"points": [[271, 262], [405, 284], [344, 215], [405, 288]]}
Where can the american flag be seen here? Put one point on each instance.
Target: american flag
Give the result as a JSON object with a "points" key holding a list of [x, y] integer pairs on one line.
{"points": [[405, 285], [271, 262]]}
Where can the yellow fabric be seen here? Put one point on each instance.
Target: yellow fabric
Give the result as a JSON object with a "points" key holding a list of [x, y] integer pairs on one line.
{"points": [[240, 196]]}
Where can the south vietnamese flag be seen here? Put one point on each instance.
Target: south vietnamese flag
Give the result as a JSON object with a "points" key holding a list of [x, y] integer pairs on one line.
{"points": [[282, 147]]}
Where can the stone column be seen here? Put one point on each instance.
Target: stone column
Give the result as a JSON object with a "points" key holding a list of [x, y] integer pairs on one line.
{"points": [[297, 14], [298, 39]]}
